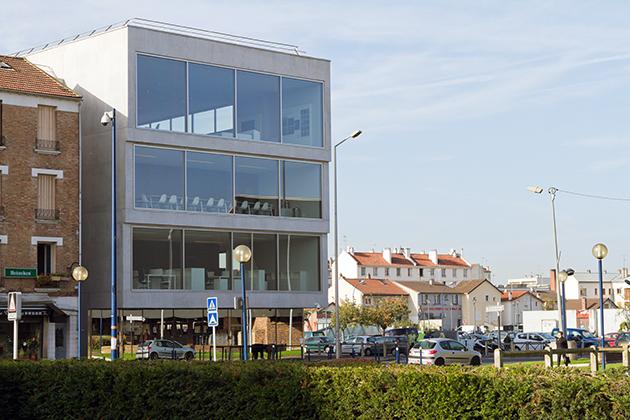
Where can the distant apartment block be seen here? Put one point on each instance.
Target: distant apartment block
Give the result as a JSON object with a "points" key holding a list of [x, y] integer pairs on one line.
{"points": [[39, 209]]}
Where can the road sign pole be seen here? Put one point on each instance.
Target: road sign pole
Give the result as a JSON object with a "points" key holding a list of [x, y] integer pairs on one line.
{"points": [[214, 343], [15, 339]]}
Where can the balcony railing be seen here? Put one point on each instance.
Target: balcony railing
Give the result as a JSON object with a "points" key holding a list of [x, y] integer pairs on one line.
{"points": [[47, 145], [47, 214]]}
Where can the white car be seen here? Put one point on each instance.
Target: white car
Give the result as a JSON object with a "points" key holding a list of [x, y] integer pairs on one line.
{"points": [[443, 351], [164, 349], [530, 341]]}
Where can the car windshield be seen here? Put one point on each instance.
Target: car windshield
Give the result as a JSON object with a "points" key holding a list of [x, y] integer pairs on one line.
{"points": [[587, 334], [547, 336]]}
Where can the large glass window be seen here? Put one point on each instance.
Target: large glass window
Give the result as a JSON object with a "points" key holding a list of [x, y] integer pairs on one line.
{"points": [[258, 102], [256, 186], [241, 239], [157, 258], [301, 112], [264, 262], [209, 180], [302, 191], [299, 263], [161, 93], [211, 100], [208, 258], [159, 178]]}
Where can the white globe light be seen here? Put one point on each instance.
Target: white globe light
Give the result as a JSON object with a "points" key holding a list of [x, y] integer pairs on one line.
{"points": [[242, 253], [600, 251], [79, 273]]}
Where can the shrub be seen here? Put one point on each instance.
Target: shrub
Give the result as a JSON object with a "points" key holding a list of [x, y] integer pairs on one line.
{"points": [[165, 389]]}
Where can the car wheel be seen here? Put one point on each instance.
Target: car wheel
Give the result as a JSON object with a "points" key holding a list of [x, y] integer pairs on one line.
{"points": [[153, 356], [439, 362], [367, 352], [475, 361], [189, 356]]}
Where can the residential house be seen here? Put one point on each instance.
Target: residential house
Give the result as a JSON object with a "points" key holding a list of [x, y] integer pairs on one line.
{"points": [[515, 303]]}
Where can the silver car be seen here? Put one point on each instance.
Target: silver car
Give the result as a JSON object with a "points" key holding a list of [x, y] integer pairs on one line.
{"points": [[164, 349], [443, 351], [360, 345]]}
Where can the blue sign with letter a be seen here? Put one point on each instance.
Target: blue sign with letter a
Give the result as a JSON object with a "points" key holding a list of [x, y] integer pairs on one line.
{"points": [[212, 304], [213, 319]]}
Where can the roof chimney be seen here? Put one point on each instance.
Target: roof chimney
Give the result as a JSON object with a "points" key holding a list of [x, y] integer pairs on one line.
{"points": [[407, 252], [583, 303], [387, 255], [433, 256], [552, 280], [350, 250]]}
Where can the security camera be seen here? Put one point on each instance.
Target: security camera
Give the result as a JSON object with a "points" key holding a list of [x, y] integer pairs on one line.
{"points": [[106, 118]]}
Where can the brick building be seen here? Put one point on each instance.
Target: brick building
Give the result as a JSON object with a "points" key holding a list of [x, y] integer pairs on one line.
{"points": [[39, 208]]}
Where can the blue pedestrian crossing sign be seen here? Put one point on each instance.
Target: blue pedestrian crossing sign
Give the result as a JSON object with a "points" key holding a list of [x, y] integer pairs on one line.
{"points": [[212, 304], [213, 319], [213, 312]]}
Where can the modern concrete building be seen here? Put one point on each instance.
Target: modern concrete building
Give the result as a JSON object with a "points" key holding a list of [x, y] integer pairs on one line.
{"points": [[39, 209], [221, 141]]}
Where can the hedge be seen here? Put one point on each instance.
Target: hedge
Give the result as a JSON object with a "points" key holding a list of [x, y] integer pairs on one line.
{"points": [[263, 389]]}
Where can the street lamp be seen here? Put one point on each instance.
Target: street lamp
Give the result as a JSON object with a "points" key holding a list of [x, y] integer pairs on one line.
{"points": [[354, 135], [243, 254], [600, 252], [79, 274], [563, 276], [552, 192], [110, 116]]}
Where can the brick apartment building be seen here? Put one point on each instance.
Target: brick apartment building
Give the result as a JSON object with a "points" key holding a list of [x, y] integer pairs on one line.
{"points": [[39, 208]]}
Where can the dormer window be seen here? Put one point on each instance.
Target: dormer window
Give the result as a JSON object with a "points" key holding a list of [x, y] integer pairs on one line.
{"points": [[5, 66]]}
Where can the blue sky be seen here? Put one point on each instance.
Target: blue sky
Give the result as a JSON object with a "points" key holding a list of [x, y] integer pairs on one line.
{"points": [[463, 104]]}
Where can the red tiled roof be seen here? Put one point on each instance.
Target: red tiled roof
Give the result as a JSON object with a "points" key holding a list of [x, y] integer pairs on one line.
{"points": [[25, 77], [515, 294], [468, 286], [591, 303], [398, 259], [377, 287]]}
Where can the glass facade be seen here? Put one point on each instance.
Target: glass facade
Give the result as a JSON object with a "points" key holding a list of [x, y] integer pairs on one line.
{"points": [[168, 258], [161, 93], [256, 186], [160, 178], [302, 112], [170, 179], [211, 100], [176, 95], [209, 184], [157, 258], [258, 98], [302, 192]]}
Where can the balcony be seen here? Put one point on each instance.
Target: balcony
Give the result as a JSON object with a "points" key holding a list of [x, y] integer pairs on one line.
{"points": [[47, 214], [49, 147]]}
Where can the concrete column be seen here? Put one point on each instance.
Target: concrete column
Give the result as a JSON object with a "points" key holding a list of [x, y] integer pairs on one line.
{"points": [[71, 334], [549, 359], [49, 339], [572, 345], [625, 356]]}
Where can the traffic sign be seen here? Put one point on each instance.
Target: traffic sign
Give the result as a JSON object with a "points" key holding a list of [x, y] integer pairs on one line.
{"points": [[14, 306], [213, 319], [495, 308], [212, 304]]}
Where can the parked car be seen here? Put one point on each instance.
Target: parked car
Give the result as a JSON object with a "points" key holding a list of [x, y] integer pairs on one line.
{"points": [[622, 339], [390, 344], [611, 339], [360, 345], [164, 349], [319, 344], [407, 331], [443, 351], [530, 341], [582, 337]]}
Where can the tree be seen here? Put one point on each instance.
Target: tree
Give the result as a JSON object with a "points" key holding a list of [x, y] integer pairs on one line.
{"points": [[349, 315], [385, 313]]}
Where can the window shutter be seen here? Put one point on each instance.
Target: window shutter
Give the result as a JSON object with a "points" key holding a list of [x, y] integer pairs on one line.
{"points": [[46, 128], [46, 196]]}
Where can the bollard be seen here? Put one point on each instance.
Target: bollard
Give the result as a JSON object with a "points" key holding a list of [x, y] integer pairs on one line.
{"points": [[273, 352], [302, 352], [308, 354], [330, 352], [352, 354], [397, 355], [572, 345], [594, 361], [549, 358], [498, 358], [625, 356]]}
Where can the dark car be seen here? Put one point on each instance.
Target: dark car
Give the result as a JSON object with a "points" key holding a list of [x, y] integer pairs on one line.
{"points": [[582, 337], [319, 344], [622, 339], [407, 331], [389, 344]]}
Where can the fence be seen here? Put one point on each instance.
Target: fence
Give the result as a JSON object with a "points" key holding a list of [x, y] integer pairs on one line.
{"points": [[391, 352], [595, 355]]}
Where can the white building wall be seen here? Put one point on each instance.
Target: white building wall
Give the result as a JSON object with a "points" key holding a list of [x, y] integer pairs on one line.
{"points": [[544, 321]]}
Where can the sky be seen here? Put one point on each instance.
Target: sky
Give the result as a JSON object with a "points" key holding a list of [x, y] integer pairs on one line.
{"points": [[462, 105]]}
